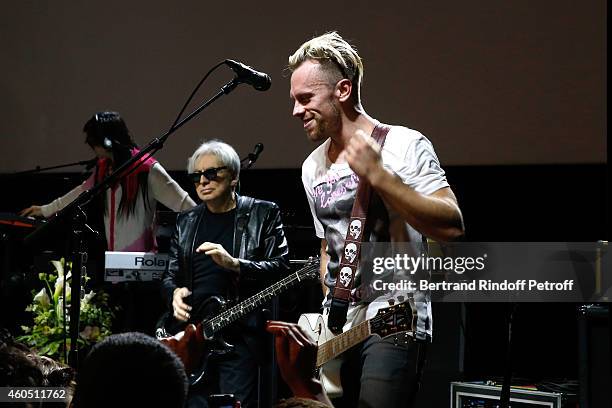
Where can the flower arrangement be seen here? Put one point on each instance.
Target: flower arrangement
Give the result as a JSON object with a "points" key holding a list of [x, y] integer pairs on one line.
{"points": [[47, 334]]}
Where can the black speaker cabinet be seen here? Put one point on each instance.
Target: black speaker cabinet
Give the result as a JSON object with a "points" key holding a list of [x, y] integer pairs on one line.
{"points": [[594, 363]]}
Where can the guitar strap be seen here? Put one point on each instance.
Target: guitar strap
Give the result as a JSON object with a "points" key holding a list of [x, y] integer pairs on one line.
{"points": [[352, 246]]}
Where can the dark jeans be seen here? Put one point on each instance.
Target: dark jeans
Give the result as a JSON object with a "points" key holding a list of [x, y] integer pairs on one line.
{"points": [[235, 373], [377, 373]]}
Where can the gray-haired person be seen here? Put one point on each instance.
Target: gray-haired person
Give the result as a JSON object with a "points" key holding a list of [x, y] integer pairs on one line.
{"points": [[216, 247]]}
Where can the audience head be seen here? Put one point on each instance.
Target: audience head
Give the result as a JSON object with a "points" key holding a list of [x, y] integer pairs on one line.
{"points": [[16, 368], [20, 367], [131, 369]]}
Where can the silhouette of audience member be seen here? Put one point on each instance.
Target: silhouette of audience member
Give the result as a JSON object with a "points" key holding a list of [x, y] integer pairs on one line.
{"points": [[16, 368], [296, 354], [131, 370], [54, 373], [20, 367]]}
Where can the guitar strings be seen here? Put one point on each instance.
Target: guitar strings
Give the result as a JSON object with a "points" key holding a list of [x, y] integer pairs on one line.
{"points": [[225, 317]]}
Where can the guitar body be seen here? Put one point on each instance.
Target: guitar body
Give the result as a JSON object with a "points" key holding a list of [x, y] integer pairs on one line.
{"points": [[190, 342], [329, 373], [397, 320]]}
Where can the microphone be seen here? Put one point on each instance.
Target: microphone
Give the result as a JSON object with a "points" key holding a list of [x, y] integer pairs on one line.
{"points": [[248, 75], [256, 152], [251, 158]]}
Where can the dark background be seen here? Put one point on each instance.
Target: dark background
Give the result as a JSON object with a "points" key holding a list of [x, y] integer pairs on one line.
{"points": [[488, 82]]}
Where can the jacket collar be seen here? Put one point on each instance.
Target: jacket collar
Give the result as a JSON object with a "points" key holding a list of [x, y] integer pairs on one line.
{"points": [[243, 210], [243, 207]]}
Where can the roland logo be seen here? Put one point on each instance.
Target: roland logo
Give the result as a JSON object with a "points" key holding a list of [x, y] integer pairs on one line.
{"points": [[151, 261]]}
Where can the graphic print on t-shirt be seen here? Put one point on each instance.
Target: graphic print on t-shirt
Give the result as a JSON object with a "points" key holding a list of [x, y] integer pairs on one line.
{"points": [[334, 196]]}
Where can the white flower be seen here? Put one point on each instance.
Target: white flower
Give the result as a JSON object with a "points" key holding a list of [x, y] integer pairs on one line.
{"points": [[88, 298], [59, 267], [59, 286], [42, 298], [60, 281]]}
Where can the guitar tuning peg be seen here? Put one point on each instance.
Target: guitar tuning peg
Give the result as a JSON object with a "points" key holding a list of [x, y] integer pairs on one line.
{"points": [[400, 299], [391, 302]]}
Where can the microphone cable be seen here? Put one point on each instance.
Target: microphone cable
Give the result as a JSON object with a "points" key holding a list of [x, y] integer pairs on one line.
{"points": [[178, 117]]}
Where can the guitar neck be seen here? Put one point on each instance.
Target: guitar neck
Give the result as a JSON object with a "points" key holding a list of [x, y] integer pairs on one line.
{"points": [[344, 341], [236, 312]]}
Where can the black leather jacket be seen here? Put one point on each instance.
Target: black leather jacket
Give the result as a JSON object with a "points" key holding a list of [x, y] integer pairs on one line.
{"points": [[259, 244]]}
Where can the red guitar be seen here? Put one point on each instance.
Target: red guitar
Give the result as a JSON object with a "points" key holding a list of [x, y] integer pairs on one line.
{"points": [[200, 340]]}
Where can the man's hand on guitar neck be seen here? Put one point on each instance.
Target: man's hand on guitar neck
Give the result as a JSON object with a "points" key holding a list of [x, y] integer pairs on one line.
{"points": [[296, 354], [180, 308]]}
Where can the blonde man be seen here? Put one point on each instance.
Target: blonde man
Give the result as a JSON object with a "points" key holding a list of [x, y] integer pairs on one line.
{"points": [[413, 201]]}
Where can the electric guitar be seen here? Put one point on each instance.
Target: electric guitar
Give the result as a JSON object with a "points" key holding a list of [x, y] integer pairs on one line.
{"points": [[399, 319], [201, 340]]}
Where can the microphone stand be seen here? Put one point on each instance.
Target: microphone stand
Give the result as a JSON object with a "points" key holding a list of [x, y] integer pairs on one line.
{"points": [[247, 162], [251, 158], [504, 397], [74, 210]]}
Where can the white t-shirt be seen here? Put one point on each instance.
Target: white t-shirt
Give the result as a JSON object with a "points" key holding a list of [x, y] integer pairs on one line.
{"points": [[330, 189]]}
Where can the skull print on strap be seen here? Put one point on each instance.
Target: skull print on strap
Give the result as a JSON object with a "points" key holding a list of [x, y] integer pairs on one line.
{"points": [[345, 278], [355, 229]]}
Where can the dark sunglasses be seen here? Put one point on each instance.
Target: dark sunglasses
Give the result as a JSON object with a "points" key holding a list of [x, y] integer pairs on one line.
{"points": [[209, 174]]}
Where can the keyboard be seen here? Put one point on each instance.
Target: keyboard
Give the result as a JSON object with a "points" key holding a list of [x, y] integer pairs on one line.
{"points": [[134, 266]]}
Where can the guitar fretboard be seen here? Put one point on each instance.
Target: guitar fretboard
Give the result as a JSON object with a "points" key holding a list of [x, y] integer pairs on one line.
{"points": [[236, 312], [344, 341]]}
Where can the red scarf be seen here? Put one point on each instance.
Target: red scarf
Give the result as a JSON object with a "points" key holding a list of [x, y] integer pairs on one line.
{"points": [[131, 180]]}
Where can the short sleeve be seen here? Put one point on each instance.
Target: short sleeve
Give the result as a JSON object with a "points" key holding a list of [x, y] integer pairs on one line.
{"points": [[422, 170], [307, 182]]}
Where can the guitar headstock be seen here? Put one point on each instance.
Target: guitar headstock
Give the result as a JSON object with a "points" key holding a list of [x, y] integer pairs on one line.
{"points": [[311, 269], [394, 319]]}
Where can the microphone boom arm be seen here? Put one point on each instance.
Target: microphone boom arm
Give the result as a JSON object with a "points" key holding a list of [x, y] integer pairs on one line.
{"points": [[39, 169]]}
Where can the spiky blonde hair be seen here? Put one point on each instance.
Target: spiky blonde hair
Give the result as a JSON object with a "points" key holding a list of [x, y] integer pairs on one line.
{"points": [[336, 56]]}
